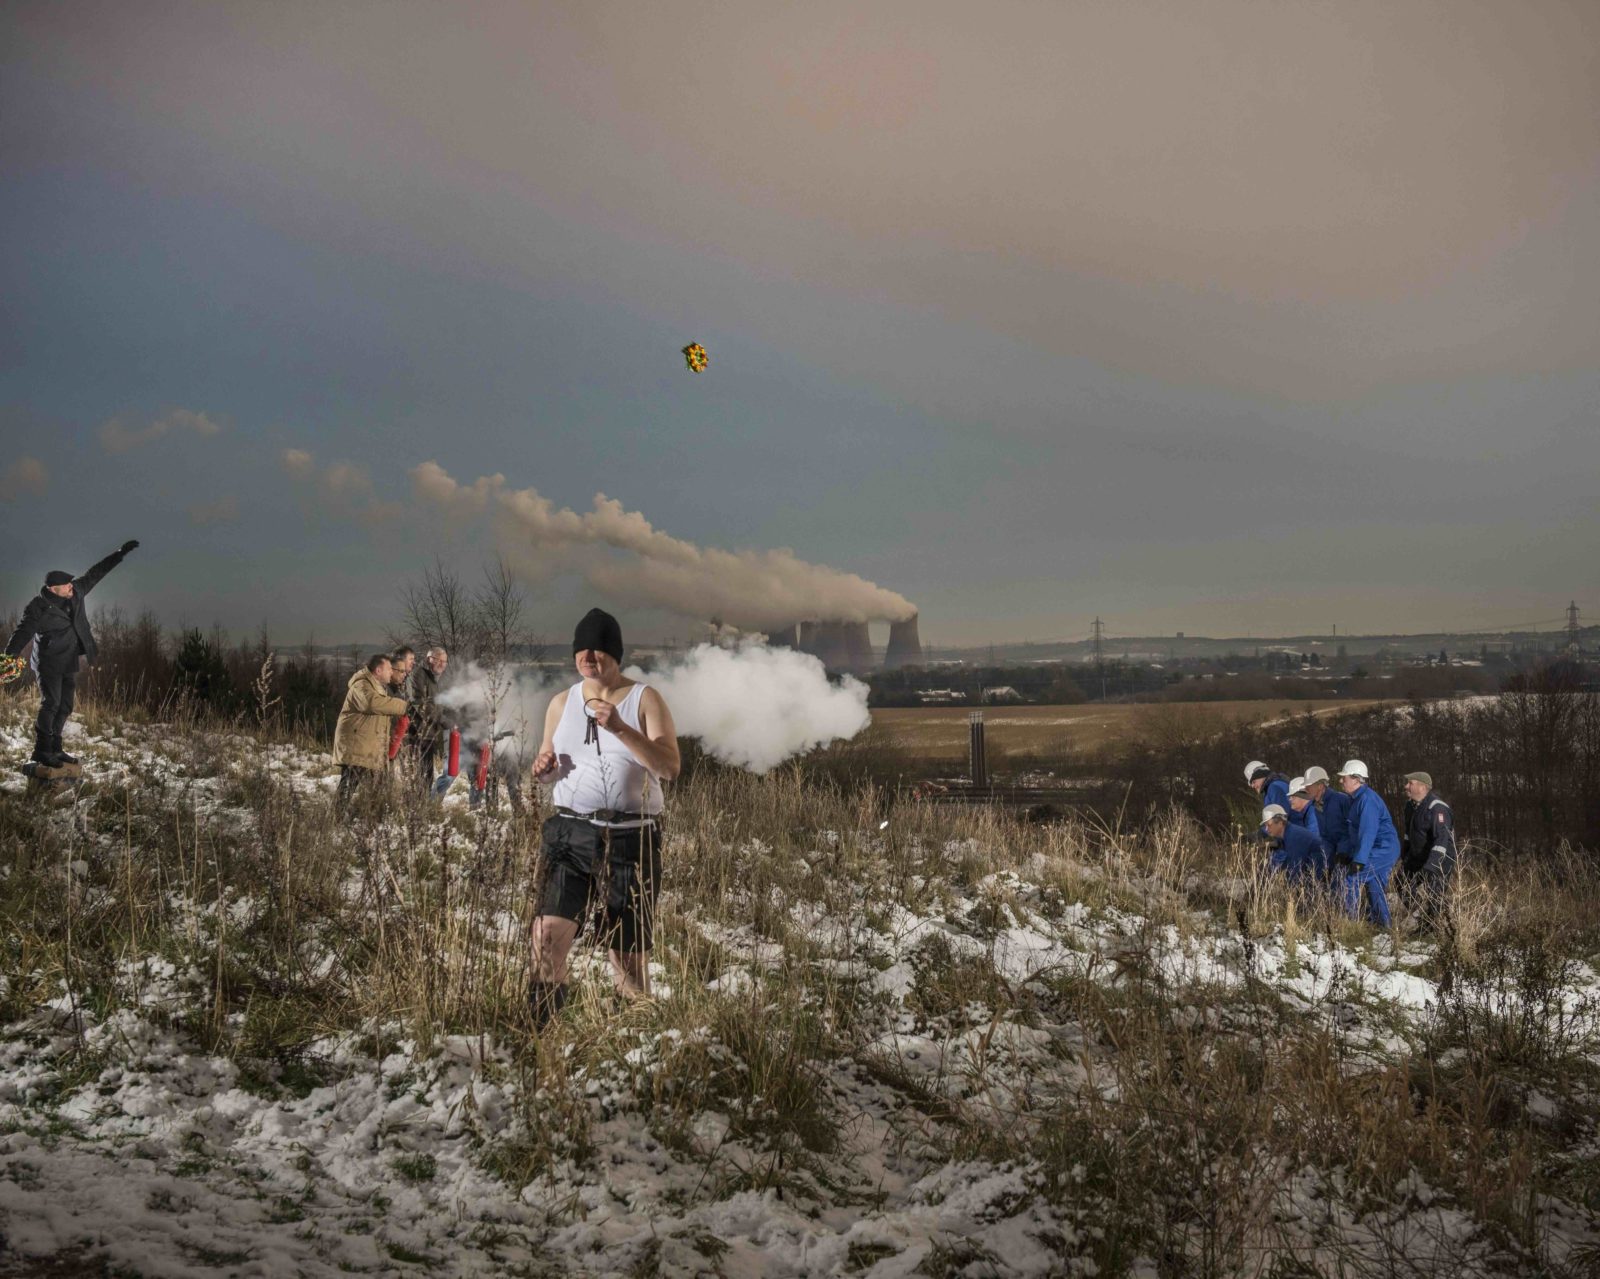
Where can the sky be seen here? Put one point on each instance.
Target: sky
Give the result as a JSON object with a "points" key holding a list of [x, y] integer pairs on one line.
{"points": [[1211, 315]]}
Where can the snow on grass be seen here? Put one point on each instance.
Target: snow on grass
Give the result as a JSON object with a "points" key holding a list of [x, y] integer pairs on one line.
{"points": [[126, 1144]]}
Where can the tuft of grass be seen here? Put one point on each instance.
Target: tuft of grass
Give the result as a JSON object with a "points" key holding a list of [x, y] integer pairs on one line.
{"points": [[417, 1168]]}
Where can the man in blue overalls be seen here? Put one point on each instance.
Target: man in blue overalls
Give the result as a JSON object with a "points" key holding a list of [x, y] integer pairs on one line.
{"points": [[1272, 787], [1299, 853], [1371, 848], [1333, 809], [1302, 812]]}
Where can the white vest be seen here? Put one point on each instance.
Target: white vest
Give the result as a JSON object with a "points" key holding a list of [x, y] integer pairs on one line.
{"points": [[609, 778]]}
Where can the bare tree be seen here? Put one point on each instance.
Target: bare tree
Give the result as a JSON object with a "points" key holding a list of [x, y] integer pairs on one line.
{"points": [[439, 610]]}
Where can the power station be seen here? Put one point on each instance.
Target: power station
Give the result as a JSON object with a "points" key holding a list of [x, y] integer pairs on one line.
{"points": [[847, 646]]}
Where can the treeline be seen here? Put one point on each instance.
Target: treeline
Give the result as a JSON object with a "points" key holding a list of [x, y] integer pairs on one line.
{"points": [[143, 667], [162, 673], [1521, 769]]}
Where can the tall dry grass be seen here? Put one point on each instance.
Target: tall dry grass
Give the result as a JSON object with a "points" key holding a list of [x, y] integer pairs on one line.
{"points": [[1196, 1127]]}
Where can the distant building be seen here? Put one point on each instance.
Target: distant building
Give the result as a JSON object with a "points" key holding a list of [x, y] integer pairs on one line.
{"points": [[1001, 693], [940, 696]]}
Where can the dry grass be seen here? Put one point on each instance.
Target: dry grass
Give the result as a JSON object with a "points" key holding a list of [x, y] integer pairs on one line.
{"points": [[1184, 1127]]}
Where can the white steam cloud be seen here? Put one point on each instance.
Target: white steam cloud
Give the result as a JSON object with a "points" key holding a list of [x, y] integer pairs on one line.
{"points": [[750, 706], [766, 590], [754, 706]]}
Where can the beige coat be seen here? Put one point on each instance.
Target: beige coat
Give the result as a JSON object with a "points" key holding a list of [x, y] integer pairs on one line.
{"points": [[361, 736]]}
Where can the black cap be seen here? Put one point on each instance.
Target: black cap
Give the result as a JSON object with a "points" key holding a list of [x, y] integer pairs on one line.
{"points": [[600, 631], [57, 577]]}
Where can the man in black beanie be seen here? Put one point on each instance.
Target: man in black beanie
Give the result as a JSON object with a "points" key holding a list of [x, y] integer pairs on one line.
{"points": [[609, 747], [57, 621], [598, 632]]}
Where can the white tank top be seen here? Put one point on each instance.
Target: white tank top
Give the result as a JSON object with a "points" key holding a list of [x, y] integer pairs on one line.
{"points": [[611, 778]]}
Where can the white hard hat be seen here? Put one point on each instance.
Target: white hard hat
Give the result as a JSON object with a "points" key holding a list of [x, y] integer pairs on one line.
{"points": [[1272, 811], [1252, 768], [1297, 786], [1354, 768], [1316, 773]]}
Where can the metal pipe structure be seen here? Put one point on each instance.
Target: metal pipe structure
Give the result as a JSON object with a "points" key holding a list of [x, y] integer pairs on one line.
{"points": [[979, 750]]}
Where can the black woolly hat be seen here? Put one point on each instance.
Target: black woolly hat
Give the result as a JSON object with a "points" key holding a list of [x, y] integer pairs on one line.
{"points": [[600, 631], [57, 577]]}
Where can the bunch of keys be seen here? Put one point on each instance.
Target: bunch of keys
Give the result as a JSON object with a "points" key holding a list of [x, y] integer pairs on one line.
{"points": [[591, 733]]}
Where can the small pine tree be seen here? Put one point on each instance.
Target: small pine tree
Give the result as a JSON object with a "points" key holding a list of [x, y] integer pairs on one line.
{"points": [[199, 671]]}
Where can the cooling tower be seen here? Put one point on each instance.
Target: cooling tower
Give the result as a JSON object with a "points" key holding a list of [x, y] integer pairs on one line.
{"points": [[841, 646], [787, 637], [905, 645]]}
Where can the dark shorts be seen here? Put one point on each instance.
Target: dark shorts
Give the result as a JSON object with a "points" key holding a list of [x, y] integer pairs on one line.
{"points": [[578, 867]]}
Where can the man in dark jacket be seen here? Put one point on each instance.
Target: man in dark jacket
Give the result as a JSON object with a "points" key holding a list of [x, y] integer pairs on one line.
{"points": [[1428, 860], [427, 727], [57, 621]]}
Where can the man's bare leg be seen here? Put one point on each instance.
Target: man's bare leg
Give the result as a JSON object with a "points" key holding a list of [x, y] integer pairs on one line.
{"points": [[631, 973], [550, 943]]}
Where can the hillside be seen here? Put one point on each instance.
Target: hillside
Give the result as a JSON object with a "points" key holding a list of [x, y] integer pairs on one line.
{"points": [[242, 1038]]}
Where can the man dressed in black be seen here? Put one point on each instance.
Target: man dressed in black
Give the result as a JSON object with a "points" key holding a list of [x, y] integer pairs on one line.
{"points": [[57, 621], [1428, 861]]}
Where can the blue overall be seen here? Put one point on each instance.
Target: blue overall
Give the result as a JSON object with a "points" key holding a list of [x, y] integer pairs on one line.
{"points": [[1373, 848], [1300, 855]]}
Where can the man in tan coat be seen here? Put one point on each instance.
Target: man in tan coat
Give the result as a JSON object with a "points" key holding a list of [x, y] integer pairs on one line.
{"points": [[361, 737]]}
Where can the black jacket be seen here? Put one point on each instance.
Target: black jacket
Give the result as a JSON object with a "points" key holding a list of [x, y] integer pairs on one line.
{"points": [[59, 628], [428, 723], [1430, 835]]}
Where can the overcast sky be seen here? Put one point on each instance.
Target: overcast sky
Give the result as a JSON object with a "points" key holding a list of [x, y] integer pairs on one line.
{"points": [[1205, 316]]}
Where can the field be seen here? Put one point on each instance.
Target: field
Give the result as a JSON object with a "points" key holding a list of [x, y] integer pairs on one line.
{"points": [[1030, 732], [243, 1035]]}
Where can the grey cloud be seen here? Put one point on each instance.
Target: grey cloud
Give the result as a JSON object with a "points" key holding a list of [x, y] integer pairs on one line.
{"points": [[222, 511], [116, 436], [342, 488], [1302, 198], [26, 475]]}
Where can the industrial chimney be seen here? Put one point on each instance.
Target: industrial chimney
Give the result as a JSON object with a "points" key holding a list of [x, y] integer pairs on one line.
{"points": [[905, 645]]}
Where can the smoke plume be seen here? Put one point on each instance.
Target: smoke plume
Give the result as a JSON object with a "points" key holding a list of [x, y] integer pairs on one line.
{"points": [[751, 589], [750, 706], [754, 706]]}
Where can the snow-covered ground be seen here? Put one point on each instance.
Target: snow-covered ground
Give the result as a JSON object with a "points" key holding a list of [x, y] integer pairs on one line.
{"points": [[126, 1148]]}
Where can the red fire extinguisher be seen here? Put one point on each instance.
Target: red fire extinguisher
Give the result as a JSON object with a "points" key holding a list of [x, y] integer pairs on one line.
{"points": [[399, 735], [481, 779], [453, 767]]}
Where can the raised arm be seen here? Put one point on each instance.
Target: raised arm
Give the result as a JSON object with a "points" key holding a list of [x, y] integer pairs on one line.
{"points": [[86, 582]]}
